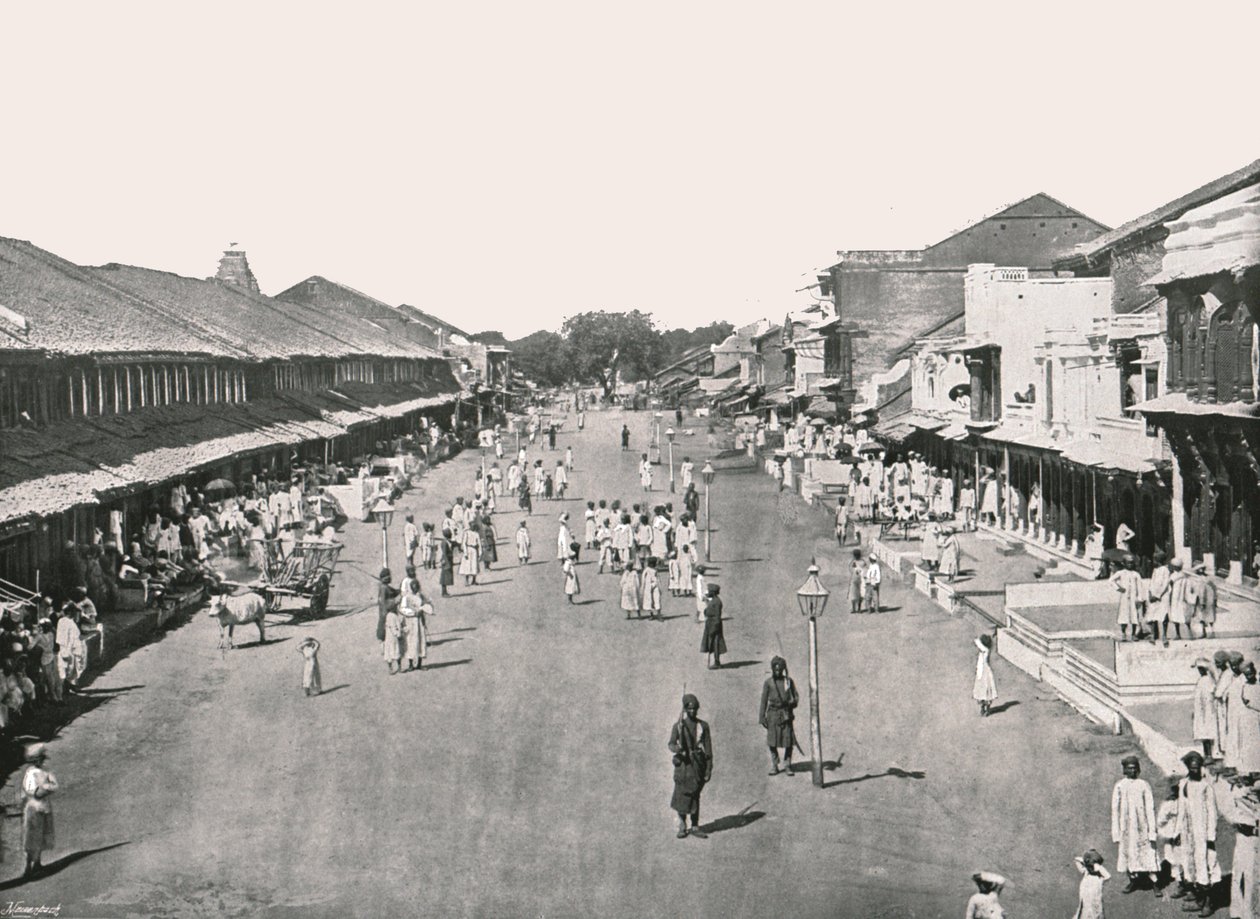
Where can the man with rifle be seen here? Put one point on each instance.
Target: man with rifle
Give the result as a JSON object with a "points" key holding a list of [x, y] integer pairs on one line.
{"points": [[692, 747]]}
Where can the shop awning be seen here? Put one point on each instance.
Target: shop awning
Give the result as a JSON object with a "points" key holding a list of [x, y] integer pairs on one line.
{"points": [[1178, 403], [1095, 454], [821, 407], [955, 430], [1011, 434], [924, 422]]}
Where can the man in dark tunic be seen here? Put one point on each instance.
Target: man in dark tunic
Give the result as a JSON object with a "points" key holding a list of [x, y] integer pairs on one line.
{"points": [[713, 641], [386, 599], [446, 562], [778, 707], [692, 747], [625, 437]]}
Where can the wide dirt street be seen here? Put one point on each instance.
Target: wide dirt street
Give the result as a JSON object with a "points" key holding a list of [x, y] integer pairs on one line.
{"points": [[524, 772]]}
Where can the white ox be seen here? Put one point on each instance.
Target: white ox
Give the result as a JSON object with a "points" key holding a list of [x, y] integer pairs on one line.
{"points": [[234, 611]]}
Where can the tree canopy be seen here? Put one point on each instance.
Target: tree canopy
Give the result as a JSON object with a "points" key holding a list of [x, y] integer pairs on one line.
{"points": [[602, 345], [543, 358]]}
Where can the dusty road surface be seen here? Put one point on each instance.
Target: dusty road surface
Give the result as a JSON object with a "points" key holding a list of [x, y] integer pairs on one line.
{"points": [[524, 772]]}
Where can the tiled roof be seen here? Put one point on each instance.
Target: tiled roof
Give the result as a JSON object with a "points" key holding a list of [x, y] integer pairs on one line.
{"points": [[72, 463], [264, 326], [65, 310]]}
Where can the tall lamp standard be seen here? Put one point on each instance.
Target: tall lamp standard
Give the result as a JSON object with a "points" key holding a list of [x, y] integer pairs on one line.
{"points": [[708, 473], [812, 598], [669, 434], [656, 438], [384, 513]]}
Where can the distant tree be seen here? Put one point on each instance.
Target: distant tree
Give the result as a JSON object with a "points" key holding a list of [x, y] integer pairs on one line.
{"points": [[676, 342], [602, 345], [492, 338], [543, 358]]}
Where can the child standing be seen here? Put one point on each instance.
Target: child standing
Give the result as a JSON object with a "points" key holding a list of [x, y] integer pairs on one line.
{"points": [[603, 538], [427, 559], [569, 566], [309, 649], [857, 581], [650, 590], [568, 459], [675, 573], [984, 903], [985, 689], [630, 592], [522, 544], [392, 646], [1166, 832], [588, 533], [548, 486], [1093, 875]]}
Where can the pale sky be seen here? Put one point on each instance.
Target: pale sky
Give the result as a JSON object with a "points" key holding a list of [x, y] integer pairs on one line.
{"points": [[507, 164]]}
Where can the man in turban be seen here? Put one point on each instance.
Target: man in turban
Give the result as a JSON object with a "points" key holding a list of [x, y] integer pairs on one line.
{"points": [[778, 705], [1196, 832], [692, 747], [1235, 711], [1224, 680]]}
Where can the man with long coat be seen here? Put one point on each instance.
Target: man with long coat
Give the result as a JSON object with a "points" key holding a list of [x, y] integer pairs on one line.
{"points": [[386, 599], [777, 712], [713, 641], [1224, 680], [1205, 727], [692, 746], [1133, 824], [34, 786]]}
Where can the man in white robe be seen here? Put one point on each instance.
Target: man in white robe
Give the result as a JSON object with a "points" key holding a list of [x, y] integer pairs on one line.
{"points": [[1205, 728], [1224, 680], [1196, 829], [1234, 711], [1133, 825], [1243, 811]]}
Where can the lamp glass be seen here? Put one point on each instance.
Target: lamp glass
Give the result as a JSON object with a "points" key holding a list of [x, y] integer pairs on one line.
{"points": [[708, 473], [384, 512], [669, 432], [812, 596]]}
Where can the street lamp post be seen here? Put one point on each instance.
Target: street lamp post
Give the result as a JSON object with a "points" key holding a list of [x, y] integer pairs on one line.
{"points": [[669, 434], [812, 598], [384, 513], [708, 473]]}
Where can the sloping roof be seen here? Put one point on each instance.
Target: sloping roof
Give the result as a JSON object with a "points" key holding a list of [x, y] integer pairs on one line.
{"points": [[910, 342], [67, 311], [1090, 251], [261, 326], [358, 318], [432, 320], [1009, 209]]}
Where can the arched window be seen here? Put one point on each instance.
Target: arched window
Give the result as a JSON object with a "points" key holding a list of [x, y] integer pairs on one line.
{"points": [[1224, 346]]}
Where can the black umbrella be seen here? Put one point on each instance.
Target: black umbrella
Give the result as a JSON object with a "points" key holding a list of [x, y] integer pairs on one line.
{"points": [[871, 447], [215, 486]]}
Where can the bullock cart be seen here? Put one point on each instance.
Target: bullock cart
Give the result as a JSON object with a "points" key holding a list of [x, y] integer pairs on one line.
{"points": [[305, 572]]}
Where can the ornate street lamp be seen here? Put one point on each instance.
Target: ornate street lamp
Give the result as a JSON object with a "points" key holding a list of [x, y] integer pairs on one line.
{"points": [[812, 598], [384, 513], [708, 473], [669, 434]]}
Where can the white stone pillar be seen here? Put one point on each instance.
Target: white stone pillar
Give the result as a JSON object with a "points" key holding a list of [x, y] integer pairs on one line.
{"points": [[1180, 548]]}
